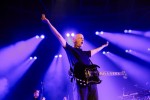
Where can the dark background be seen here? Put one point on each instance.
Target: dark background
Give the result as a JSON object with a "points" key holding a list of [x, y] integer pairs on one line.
{"points": [[21, 19]]}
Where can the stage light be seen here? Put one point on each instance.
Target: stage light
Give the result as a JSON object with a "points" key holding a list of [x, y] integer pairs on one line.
{"points": [[97, 33], [104, 52], [125, 31], [37, 36], [31, 58], [148, 49], [60, 55], [56, 56], [126, 50], [72, 34], [129, 31], [67, 34], [130, 50], [107, 52], [101, 32], [35, 57], [42, 36]]}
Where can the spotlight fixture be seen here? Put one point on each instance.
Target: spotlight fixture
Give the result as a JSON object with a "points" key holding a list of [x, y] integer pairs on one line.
{"points": [[60, 55], [42, 36], [72, 34], [97, 33], [101, 32], [35, 57], [37, 36], [31, 58], [67, 34], [104, 52], [56, 56], [126, 50]]}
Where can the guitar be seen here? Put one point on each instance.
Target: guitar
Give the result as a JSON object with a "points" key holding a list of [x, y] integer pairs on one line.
{"points": [[90, 75]]}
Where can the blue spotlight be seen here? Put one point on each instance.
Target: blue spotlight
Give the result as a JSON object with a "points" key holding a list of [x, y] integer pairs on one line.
{"points": [[130, 50], [129, 31], [56, 56], [35, 57], [107, 52], [31, 58], [42, 36], [101, 32], [125, 31], [97, 33], [126, 50], [60, 55], [37, 36], [72, 34], [104, 52], [67, 34]]}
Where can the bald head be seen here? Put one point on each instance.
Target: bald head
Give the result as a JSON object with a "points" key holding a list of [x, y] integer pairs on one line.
{"points": [[78, 40]]}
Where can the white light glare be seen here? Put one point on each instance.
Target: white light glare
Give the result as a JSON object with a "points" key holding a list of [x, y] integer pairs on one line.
{"points": [[42, 36], [31, 58], [56, 56], [101, 32], [35, 57], [67, 34], [104, 52], [96, 32], [60, 55], [72, 34], [107, 52], [127, 31], [126, 50], [37, 36]]}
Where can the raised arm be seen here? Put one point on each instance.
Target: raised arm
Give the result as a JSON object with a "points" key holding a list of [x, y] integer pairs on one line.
{"points": [[54, 30], [94, 51]]}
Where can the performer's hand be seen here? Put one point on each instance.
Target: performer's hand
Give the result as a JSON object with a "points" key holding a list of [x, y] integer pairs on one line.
{"points": [[44, 19], [106, 44]]}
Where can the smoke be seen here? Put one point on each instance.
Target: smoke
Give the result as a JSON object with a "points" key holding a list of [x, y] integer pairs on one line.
{"points": [[3, 87]]}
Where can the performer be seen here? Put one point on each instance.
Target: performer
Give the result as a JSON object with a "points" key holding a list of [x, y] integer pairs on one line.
{"points": [[37, 96], [77, 56]]}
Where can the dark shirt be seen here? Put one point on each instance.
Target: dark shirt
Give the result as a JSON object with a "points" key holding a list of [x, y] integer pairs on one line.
{"points": [[77, 55]]}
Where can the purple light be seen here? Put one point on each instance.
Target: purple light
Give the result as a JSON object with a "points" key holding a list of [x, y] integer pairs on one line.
{"points": [[72, 34], [35, 57], [4, 86], [101, 32], [104, 52], [126, 51], [42, 36], [60, 55], [67, 34], [130, 50], [31, 58], [125, 31], [97, 33], [37, 37], [129, 31], [107, 52], [56, 56]]}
